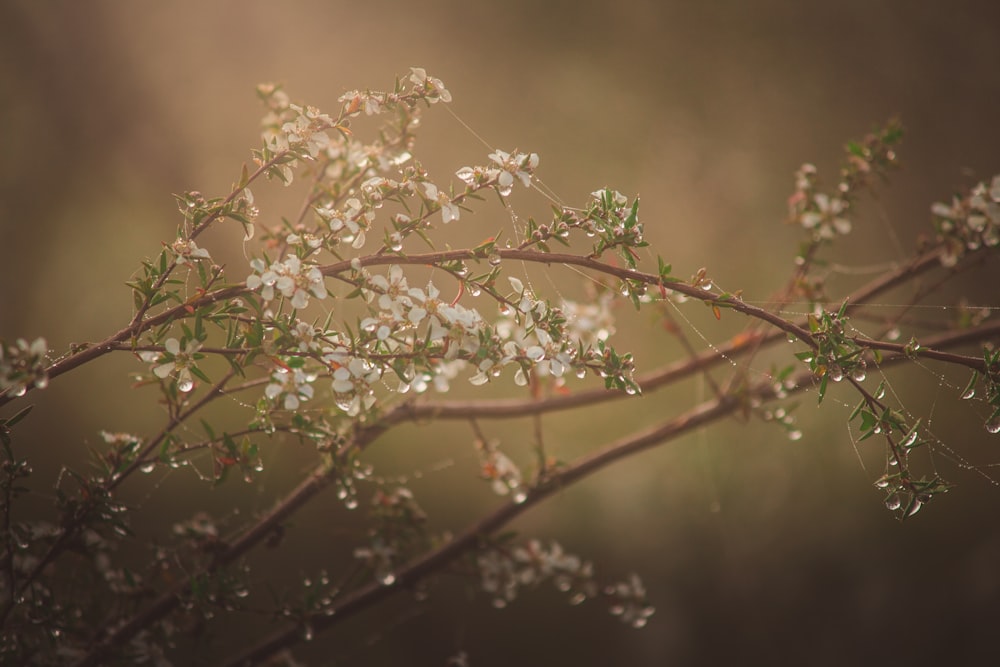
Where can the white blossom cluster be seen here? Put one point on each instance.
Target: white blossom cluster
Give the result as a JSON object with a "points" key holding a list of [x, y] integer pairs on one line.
{"points": [[502, 473], [824, 215], [506, 168], [289, 127], [503, 572], [432, 87], [405, 317], [187, 251], [629, 602], [349, 223], [969, 222], [292, 278], [438, 337], [22, 365]]}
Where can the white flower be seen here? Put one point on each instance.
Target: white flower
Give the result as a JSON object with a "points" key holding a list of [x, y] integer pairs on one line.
{"points": [[294, 384], [174, 361], [263, 279], [520, 165], [449, 210], [827, 219], [433, 87], [187, 251]]}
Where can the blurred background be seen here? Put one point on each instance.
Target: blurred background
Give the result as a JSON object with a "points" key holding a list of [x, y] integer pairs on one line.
{"points": [[753, 548]]}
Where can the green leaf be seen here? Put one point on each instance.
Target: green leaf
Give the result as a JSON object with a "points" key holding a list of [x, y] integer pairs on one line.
{"points": [[195, 371], [17, 416], [970, 388], [857, 410], [209, 431]]}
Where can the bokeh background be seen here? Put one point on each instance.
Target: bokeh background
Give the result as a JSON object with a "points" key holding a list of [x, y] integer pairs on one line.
{"points": [[755, 549]]}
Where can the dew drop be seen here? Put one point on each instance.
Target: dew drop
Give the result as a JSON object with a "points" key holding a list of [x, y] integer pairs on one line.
{"points": [[147, 468], [914, 508], [581, 373], [519, 496], [893, 502], [795, 435], [881, 483], [307, 633], [578, 598], [909, 440], [494, 259], [969, 393], [387, 579], [859, 374], [993, 425], [185, 385], [351, 503]]}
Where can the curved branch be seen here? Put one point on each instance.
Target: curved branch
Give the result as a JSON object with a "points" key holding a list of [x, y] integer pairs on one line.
{"points": [[322, 477], [422, 566]]}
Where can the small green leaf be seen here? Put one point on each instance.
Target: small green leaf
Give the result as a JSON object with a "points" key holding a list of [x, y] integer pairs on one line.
{"points": [[857, 410], [822, 387]]}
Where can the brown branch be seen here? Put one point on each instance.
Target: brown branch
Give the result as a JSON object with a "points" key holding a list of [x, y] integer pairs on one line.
{"points": [[318, 480], [422, 566], [554, 480]]}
